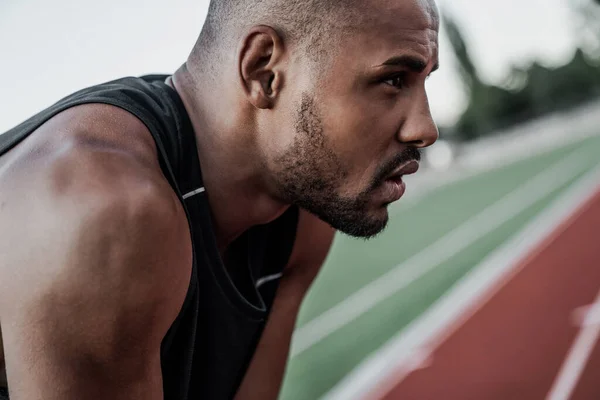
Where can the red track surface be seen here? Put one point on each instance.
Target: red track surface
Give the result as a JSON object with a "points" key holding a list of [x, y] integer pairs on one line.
{"points": [[513, 347]]}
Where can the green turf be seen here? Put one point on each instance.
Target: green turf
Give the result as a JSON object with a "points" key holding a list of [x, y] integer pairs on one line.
{"points": [[354, 263]]}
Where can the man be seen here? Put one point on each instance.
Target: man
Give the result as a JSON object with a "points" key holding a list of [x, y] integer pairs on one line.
{"points": [[158, 234]]}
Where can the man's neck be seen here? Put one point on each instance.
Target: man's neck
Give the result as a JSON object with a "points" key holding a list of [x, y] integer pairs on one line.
{"points": [[231, 174]]}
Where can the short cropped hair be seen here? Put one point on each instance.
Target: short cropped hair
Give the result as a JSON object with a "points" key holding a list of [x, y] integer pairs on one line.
{"points": [[313, 25]]}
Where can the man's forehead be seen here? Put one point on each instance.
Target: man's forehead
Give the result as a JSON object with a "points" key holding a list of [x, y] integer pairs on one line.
{"points": [[404, 22], [410, 14], [390, 31]]}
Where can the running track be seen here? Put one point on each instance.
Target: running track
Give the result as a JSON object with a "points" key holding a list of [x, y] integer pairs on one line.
{"points": [[536, 338]]}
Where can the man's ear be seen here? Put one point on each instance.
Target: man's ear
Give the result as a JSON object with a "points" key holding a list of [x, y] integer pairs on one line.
{"points": [[260, 66]]}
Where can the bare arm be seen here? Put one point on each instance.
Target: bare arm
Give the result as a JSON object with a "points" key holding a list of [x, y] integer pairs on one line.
{"points": [[265, 374], [98, 261]]}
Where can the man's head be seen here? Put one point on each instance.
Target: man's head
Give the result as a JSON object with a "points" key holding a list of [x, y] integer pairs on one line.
{"points": [[333, 92]]}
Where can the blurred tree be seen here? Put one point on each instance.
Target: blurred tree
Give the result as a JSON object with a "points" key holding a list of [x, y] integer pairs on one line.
{"points": [[468, 70], [472, 117], [588, 25], [527, 93]]}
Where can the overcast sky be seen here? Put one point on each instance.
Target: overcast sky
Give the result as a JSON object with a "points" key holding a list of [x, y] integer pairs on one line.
{"points": [[50, 49]]}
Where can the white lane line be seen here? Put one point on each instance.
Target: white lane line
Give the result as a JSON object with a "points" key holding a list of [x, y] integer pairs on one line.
{"points": [[444, 248], [582, 316], [578, 355], [389, 365]]}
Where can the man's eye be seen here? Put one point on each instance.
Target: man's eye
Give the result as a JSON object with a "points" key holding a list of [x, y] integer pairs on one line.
{"points": [[397, 81]]}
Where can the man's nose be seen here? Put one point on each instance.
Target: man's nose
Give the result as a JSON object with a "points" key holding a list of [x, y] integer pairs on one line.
{"points": [[419, 129]]}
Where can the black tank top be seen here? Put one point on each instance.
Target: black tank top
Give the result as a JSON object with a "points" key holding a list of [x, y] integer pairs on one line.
{"points": [[209, 345]]}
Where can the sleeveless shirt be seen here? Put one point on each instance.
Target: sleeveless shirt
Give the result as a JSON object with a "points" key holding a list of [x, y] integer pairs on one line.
{"points": [[209, 346]]}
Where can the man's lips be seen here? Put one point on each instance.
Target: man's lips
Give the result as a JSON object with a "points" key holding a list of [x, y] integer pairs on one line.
{"points": [[407, 168], [393, 185]]}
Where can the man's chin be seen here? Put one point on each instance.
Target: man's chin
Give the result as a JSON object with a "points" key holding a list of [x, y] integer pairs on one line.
{"points": [[351, 217], [364, 228]]}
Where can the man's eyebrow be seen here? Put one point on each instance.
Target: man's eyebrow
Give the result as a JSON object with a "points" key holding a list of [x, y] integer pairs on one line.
{"points": [[414, 64]]}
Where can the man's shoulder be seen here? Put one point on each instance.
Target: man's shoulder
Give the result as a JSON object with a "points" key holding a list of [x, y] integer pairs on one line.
{"points": [[85, 140], [90, 179]]}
